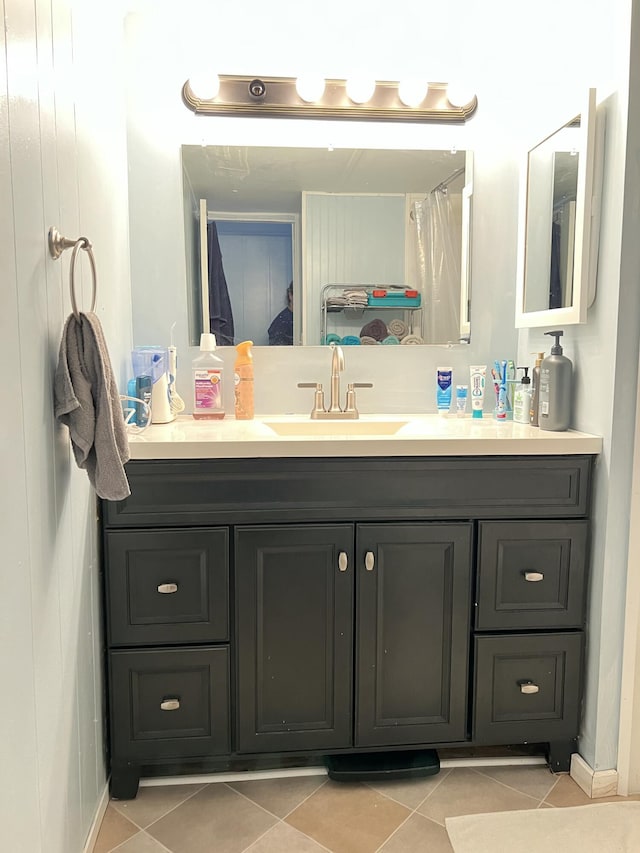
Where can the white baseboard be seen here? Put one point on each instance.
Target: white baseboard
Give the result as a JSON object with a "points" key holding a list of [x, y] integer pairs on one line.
{"points": [[595, 783], [283, 773], [97, 820]]}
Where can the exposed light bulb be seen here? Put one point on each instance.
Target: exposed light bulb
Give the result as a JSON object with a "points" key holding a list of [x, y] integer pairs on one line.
{"points": [[360, 89], [459, 95], [310, 87], [412, 92], [205, 85]]}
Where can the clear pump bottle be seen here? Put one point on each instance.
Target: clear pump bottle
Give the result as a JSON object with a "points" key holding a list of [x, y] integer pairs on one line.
{"points": [[522, 399]]}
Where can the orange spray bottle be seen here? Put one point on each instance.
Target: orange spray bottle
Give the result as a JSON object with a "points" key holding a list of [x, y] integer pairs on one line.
{"points": [[244, 382]]}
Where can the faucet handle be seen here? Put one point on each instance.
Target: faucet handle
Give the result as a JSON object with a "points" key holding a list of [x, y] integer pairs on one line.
{"points": [[351, 395], [318, 401]]}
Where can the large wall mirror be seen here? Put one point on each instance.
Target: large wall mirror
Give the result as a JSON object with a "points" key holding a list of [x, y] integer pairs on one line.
{"points": [[559, 222], [306, 246]]}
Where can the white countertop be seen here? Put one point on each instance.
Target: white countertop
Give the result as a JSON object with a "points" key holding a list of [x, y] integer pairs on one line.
{"points": [[417, 435]]}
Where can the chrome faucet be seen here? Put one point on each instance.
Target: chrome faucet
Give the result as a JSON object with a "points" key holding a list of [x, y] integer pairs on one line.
{"points": [[334, 411]]}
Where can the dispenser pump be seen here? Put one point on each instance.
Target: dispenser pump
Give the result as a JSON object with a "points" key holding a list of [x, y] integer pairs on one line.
{"points": [[556, 349], [526, 379]]}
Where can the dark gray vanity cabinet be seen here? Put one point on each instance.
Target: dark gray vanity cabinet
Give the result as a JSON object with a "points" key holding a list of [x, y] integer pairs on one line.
{"points": [[300, 678], [264, 608]]}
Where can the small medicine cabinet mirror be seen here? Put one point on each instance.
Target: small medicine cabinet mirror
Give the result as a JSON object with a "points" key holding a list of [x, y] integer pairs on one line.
{"points": [[559, 222]]}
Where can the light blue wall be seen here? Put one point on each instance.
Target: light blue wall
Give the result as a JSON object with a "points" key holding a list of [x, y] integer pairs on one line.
{"points": [[62, 163]]}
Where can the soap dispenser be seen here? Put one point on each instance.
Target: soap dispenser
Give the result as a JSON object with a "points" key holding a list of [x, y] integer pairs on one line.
{"points": [[522, 399], [554, 404], [535, 389]]}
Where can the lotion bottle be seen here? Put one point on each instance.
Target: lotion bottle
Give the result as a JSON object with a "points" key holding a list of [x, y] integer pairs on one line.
{"points": [[244, 382], [554, 404], [535, 390], [206, 379], [522, 399]]}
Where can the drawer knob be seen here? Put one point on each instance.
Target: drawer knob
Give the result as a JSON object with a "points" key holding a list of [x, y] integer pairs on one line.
{"points": [[170, 704], [528, 687], [168, 588], [343, 561], [532, 577], [369, 561]]}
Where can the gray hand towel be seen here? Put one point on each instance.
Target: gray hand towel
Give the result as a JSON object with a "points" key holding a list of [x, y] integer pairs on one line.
{"points": [[87, 401]]}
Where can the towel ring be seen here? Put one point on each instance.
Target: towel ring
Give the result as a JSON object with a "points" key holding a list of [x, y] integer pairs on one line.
{"points": [[57, 245]]}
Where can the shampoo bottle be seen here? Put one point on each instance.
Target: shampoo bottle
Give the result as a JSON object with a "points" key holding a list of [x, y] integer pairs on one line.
{"points": [[535, 390], [554, 403], [522, 399], [206, 377], [244, 382]]}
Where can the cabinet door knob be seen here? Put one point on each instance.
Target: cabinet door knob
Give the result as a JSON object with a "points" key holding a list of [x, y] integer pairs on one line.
{"points": [[170, 704], [532, 577], [528, 687], [168, 587], [369, 561], [343, 561]]}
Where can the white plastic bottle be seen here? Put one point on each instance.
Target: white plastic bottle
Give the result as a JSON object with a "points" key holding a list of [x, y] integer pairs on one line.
{"points": [[206, 379], [522, 399]]}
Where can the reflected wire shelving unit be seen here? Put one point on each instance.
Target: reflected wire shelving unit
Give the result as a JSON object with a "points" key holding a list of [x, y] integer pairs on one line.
{"points": [[411, 314]]}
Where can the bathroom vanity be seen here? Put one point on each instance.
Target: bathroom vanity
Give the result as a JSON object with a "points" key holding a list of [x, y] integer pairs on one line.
{"points": [[273, 595]]}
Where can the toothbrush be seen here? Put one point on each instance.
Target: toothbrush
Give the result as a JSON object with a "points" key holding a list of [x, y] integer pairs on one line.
{"points": [[496, 384], [176, 402]]}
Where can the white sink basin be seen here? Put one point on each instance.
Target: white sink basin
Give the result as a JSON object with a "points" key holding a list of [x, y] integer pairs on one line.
{"points": [[337, 427]]}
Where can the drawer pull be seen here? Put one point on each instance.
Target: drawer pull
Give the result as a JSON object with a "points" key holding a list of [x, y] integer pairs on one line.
{"points": [[170, 704], [168, 587], [532, 577], [369, 561], [528, 687], [343, 561]]}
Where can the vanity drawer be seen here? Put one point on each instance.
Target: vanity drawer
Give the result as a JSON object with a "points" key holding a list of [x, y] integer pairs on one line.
{"points": [[531, 574], [527, 687], [170, 703], [167, 586]]}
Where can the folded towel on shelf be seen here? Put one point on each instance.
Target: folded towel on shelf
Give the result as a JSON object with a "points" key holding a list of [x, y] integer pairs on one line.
{"points": [[390, 339], [375, 329], [332, 339], [367, 341], [356, 298], [398, 328], [412, 339], [88, 403], [351, 341]]}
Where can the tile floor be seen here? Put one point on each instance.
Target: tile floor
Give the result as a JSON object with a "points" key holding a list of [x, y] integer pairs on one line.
{"points": [[313, 814]]}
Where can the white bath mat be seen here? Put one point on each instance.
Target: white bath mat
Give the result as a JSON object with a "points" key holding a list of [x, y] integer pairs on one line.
{"points": [[598, 828]]}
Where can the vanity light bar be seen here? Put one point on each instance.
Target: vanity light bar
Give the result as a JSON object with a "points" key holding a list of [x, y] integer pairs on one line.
{"points": [[278, 96]]}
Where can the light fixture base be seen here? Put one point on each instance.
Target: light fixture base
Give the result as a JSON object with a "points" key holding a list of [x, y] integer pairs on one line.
{"points": [[237, 96]]}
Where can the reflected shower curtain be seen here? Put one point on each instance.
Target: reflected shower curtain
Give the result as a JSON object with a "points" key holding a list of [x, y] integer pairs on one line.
{"points": [[438, 221], [220, 314]]}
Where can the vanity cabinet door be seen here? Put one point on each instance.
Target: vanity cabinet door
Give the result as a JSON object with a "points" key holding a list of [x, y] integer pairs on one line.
{"points": [[413, 615], [294, 627]]}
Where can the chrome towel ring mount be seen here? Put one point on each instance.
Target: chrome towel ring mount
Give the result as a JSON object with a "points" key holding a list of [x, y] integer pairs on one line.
{"points": [[57, 245]]}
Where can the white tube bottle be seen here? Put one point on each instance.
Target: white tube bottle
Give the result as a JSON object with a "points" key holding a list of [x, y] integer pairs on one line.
{"points": [[206, 381]]}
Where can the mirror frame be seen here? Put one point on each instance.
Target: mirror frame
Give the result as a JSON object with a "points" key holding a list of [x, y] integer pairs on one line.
{"points": [[587, 224]]}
